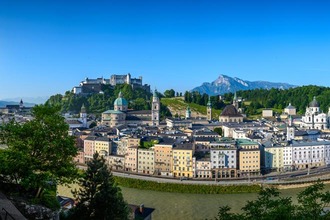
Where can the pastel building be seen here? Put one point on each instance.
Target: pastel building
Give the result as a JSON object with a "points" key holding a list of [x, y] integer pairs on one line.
{"points": [[89, 147], [103, 146], [224, 161], [116, 162], [274, 157], [249, 157], [146, 161], [202, 168], [163, 159], [183, 160], [131, 159]]}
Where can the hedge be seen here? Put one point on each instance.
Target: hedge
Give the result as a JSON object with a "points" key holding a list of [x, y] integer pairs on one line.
{"points": [[186, 188]]}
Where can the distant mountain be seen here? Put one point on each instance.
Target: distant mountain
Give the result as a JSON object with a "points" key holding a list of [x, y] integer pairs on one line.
{"points": [[4, 103], [225, 84], [28, 100]]}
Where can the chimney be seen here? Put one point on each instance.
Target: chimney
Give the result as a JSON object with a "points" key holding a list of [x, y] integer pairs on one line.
{"points": [[141, 208]]}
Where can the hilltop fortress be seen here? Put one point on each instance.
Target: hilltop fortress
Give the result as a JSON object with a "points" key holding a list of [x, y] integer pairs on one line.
{"points": [[90, 86]]}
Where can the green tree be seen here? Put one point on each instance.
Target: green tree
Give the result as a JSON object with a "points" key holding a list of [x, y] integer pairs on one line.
{"points": [[39, 150], [98, 197], [218, 130], [269, 205], [224, 214], [312, 202], [169, 93]]}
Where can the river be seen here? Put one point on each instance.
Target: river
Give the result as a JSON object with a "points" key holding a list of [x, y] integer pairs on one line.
{"points": [[187, 206]]}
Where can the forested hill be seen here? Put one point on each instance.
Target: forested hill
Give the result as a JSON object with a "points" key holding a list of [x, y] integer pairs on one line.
{"points": [[138, 99], [255, 99], [300, 97]]}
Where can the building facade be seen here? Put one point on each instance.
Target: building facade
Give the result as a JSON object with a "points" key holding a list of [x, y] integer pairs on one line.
{"points": [[249, 157], [163, 159], [183, 160], [202, 168], [146, 161], [274, 158], [131, 159], [314, 118]]}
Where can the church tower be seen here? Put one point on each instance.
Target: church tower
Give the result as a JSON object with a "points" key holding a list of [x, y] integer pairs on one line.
{"points": [[209, 110], [235, 101], [83, 115], [188, 112], [290, 130], [21, 104], [155, 108]]}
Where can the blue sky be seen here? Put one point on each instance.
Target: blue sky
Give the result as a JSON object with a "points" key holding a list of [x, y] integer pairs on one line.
{"points": [[47, 47]]}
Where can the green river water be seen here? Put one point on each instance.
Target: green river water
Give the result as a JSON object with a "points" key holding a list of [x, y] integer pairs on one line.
{"points": [[179, 206]]}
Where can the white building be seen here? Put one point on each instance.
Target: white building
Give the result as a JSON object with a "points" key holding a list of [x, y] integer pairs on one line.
{"points": [[314, 118], [290, 110], [224, 161], [303, 155], [240, 134], [202, 168], [267, 113]]}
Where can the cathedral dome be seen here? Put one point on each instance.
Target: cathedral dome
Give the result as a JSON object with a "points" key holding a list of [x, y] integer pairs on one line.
{"points": [[120, 101], [230, 111], [314, 103]]}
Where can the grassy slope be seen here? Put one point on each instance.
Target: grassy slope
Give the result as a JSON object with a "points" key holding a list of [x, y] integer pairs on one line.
{"points": [[178, 106]]}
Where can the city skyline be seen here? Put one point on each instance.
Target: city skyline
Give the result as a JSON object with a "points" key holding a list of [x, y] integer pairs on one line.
{"points": [[49, 47]]}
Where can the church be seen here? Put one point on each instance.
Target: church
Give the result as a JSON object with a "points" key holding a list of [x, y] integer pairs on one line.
{"points": [[120, 115], [314, 118], [230, 113]]}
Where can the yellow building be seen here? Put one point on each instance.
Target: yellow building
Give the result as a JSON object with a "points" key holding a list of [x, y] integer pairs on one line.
{"points": [[103, 146], [163, 158], [183, 160], [274, 157], [249, 157]]}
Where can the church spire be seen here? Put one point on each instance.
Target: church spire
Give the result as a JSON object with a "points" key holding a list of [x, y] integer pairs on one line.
{"points": [[209, 101], [209, 109], [155, 93], [83, 108]]}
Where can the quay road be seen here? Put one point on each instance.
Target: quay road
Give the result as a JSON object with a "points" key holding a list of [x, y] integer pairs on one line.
{"points": [[322, 173]]}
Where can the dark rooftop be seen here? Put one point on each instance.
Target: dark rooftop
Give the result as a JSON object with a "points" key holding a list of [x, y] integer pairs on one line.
{"points": [[230, 111]]}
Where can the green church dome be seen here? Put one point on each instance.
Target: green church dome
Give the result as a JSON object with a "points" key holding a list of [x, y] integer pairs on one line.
{"points": [[120, 101]]}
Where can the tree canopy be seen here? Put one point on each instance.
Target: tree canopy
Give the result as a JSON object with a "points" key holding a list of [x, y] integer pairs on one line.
{"points": [[39, 151], [269, 205], [97, 103], [98, 197]]}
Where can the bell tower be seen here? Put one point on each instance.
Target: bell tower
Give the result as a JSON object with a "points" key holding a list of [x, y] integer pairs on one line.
{"points": [[209, 109], [155, 109], [83, 115]]}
